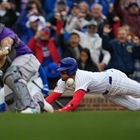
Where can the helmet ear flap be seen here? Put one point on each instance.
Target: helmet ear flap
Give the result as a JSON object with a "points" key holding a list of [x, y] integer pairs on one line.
{"points": [[72, 70]]}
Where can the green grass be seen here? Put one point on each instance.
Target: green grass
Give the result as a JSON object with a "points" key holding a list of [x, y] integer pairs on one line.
{"points": [[71, 126]]}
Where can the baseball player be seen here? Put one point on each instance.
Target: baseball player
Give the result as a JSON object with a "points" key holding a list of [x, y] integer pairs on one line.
{"points": [[35, 86], [112, 83], [18, 65], [38, 90]]}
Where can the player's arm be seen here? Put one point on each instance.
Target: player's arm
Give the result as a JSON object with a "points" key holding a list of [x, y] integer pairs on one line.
{"points": [[5, 45], [52, 97], [42, 75], [7, 42], [77, 97]]}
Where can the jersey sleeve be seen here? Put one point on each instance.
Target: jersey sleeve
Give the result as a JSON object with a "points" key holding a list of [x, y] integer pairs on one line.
{"points": [[74, 103], [60, 86], [52, 97], [8, 33]]}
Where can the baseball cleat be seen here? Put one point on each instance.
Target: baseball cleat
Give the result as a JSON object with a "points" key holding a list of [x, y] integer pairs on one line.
{"points": [[30, 111]]}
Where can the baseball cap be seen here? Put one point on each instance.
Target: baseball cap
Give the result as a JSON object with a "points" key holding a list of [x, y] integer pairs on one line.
{"points": [[92, 22], [132, 3], [75, 5], [46, 31], [32, 18], [51, 70], [61, 2]]}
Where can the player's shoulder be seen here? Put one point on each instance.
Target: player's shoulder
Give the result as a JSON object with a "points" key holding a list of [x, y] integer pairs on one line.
{"points": [[83, 73], [60, 81]]}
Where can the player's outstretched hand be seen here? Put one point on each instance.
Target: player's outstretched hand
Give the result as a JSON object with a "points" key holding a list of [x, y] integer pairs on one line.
{"points": [[58, 110]]}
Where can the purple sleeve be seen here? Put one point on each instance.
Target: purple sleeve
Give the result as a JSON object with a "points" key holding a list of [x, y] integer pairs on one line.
{"points": [[6, 32]]}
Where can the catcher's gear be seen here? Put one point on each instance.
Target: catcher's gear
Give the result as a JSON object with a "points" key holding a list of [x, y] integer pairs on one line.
{"points": [[13, 80], [10, 102], [69, 64]]}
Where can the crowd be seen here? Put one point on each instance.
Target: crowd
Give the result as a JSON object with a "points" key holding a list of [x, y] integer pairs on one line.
{"points": [[98, 34]]}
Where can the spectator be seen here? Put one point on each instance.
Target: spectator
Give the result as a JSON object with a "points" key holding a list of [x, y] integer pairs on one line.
{"points": [[85, 62], [8, 14], [121, 51], [33, 7], [97, 15], [76, 19], [130, 17], [91, 40], [113, 19], [85, 10], [72, 48], [29, 29], [44, 47], [136, 75], [61, 8], [57, 20]]}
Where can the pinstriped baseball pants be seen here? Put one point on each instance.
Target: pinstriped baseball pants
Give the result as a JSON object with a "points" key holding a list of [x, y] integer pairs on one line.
{"points": [[124, 91]]}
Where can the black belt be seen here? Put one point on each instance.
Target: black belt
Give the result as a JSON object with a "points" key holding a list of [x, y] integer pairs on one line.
{"points": [[110, 82]]}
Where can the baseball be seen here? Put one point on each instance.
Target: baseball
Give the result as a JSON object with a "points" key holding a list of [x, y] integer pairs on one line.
{"points": [[70, 82]]}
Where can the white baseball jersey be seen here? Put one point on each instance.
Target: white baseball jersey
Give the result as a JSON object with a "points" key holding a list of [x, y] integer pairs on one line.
{"points": [[88, 81], [118, 85]]}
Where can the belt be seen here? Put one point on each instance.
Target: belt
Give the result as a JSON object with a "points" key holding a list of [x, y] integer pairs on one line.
{"points": [[110, 82]]}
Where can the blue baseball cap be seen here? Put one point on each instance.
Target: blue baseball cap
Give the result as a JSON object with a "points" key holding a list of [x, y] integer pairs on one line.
{"points": [[51, 70]]}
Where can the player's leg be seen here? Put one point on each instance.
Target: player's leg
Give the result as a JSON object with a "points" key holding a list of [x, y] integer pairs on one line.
{"points": [[38, 96], [133, 88], [122, 85], [20, 96], [35, 91], [126, 101], [16, 79]]}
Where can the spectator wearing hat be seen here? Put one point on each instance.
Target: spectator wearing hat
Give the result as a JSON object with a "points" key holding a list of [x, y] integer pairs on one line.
{"points": [[76, 19], [72, 17], [44, 47], [56, 20], [52, 74], [91, 40], [60, 8], [29, 29], [8, 13], [131, 16], [27, 17]]}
